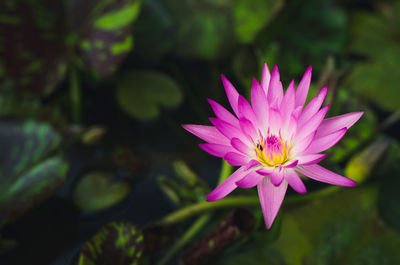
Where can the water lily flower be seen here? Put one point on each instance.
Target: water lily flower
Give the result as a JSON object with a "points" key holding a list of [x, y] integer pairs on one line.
{"points": [[273, 139]]}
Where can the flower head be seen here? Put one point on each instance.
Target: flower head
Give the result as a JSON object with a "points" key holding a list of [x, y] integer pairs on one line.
{"points": [[273, 139]]}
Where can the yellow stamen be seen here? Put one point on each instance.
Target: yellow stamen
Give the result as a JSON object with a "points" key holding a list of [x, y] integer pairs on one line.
{"points": [[273, 153]]}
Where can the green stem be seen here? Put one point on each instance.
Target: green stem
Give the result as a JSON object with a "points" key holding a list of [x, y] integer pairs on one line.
{"points": [[186, 237], [75, 96], [201, 207], [226, 171]]}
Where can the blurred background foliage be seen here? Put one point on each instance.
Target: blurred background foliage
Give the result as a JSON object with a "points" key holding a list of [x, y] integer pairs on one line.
{"points": [[92, 97]]}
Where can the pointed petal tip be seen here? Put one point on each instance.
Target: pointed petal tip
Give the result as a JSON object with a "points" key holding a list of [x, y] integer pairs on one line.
{"points": [[211, 197], [359, 114], [347, 182], [292, 164], [189, 128], [323, 90], [213, 120]]}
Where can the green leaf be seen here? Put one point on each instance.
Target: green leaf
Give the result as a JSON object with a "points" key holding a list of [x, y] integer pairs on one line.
{"points": [[203, 29], [141, 94], [33, 55], [376, 38], [336, 229], [109, 40], [377, 81], [96, 191], [300, 36], [28, 175], [359, 133], [117, 243], [389, 195], [43, 36], [187, 188], [362, 164], [250, 17]]}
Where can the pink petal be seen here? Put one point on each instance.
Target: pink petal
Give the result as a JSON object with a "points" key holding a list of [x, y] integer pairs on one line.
{"points": [[291, 128], [227, 186], [236, 159], [250, 180], [223, 114], [275, 90], [232, 94], [227, 129], [312, 125], [240, 146], [292, 164], [207, 133], [265, 171], [277, 177], [312, 107], [275, 120], [246, 111], [248, 129], [265, 78], [287, 105], [260, 104], [302, 89], [297, 111], [325, 142], [271, 198], [324, 175], [252, 164], [218, 150], [333, 124], [310, 159], [302, 145], [295, 182]]}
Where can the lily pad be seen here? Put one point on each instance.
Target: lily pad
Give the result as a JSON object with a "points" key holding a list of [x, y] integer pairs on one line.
{"points": [[117, 243], [96, 191], [28, 174], [141, 93]]}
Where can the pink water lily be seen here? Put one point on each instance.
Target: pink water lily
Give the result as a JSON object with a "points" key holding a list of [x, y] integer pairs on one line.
{"points": [[273, 139]]}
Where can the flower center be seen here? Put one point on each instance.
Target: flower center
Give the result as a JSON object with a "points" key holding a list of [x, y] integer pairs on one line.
{"points": [[272, 151]]}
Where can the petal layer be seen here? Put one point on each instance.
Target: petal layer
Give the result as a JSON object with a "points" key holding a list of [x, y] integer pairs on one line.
{"points": [[271, 198], [302, 89], [333, 124], [227, 186], [250, 180], [295, 181], [217, 150], [324, 175], [325, 142], [207, 133]]}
